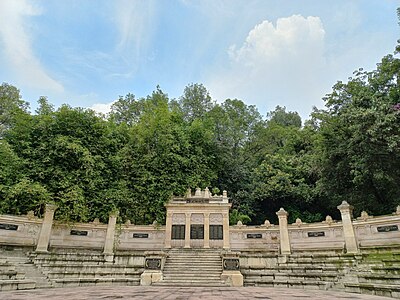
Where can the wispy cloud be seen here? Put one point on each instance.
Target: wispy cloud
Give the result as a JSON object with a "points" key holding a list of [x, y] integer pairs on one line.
{"points": [[135, 23], [17, 45]]}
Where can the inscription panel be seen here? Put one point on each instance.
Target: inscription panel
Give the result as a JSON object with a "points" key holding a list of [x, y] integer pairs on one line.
{"points": [[8, 226], [254, 236], [315, 233], [388, 228], [216, 232], [140, 235], [79, 232], [178, 232], [197, 232]]}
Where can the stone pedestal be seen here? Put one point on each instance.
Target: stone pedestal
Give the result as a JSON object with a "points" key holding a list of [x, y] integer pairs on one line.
{"points": [[45, 231], [346, 210], [154, 265], [283, 231], [148, 277], [109, 242], [231, 269], [232, 278]]}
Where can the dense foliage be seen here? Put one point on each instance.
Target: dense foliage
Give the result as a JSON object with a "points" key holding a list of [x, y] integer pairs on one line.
{"points": [[145, 150]]}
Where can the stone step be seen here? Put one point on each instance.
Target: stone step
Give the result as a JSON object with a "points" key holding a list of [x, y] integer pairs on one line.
{"points": [[379, 278], [385, 270], [73, 282], [306, 284], [190, 284], [388, 290], [195, 265], [193, 279], [79, 274], [191, 270], [23, 284]]}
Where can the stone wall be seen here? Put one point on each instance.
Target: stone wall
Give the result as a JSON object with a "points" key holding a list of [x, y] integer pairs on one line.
{"points": [[369, 231]]}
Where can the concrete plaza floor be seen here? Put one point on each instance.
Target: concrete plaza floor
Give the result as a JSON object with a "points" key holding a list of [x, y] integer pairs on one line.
{"points": [[181, 293]]}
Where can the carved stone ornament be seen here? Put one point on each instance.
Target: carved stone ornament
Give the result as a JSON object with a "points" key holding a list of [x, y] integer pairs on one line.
{"points": [[30, 215], [364, 216], [178, 219], [197, 219], [299, 222], [239, 223], [153, 263], [128, 223], [231, 264], [267, 223], [96, 221], [398, 210], [216, 218], [328, 220]]}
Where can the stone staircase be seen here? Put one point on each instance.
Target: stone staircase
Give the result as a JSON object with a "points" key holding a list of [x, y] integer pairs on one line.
{"points": [[17, 271], [69, 269], [367, 273], [192, 267]]}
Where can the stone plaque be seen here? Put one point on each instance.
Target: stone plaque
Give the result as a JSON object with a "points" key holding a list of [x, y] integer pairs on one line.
{"points": [[388, 228], [197, 200], [8, 226], [197, 232], [231, 264], [178, 232], [79, 232], [153, 263], [216, 232], [141, 235], [254, 235], [316, 234]]}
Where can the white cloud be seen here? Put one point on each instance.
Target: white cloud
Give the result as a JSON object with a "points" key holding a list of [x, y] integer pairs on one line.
{"points": [[282, 64], [102, 108], [17, 45]]}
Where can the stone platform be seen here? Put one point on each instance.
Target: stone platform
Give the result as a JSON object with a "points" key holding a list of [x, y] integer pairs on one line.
{"points": [[149, 293]]}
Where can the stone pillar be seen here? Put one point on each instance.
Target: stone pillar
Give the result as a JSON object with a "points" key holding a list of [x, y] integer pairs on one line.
{"points": [[346, 210], [45, 231], [225, 227], [283, 231], [187, 230], [206, 230], [168, 230], [109, 242]]}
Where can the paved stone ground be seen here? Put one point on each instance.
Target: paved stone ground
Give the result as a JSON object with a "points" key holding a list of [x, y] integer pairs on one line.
{"points": [[179, 293]]}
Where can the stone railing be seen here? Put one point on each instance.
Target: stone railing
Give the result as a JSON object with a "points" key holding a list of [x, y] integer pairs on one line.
{"points": [[348, 235]]}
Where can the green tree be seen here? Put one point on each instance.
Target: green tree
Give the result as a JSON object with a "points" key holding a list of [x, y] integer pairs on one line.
{"points": [[361, 139]]}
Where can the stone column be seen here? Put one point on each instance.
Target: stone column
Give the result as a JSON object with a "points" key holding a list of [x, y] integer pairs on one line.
{"points": [[45, 231], [225, 227], [346, 210], [168, 230], [206, 230], [109, 242], [283, 231], [187, 230]]}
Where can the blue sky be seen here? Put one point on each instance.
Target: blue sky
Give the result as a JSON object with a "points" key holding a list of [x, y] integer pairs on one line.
{"points": [[266, 53]]}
